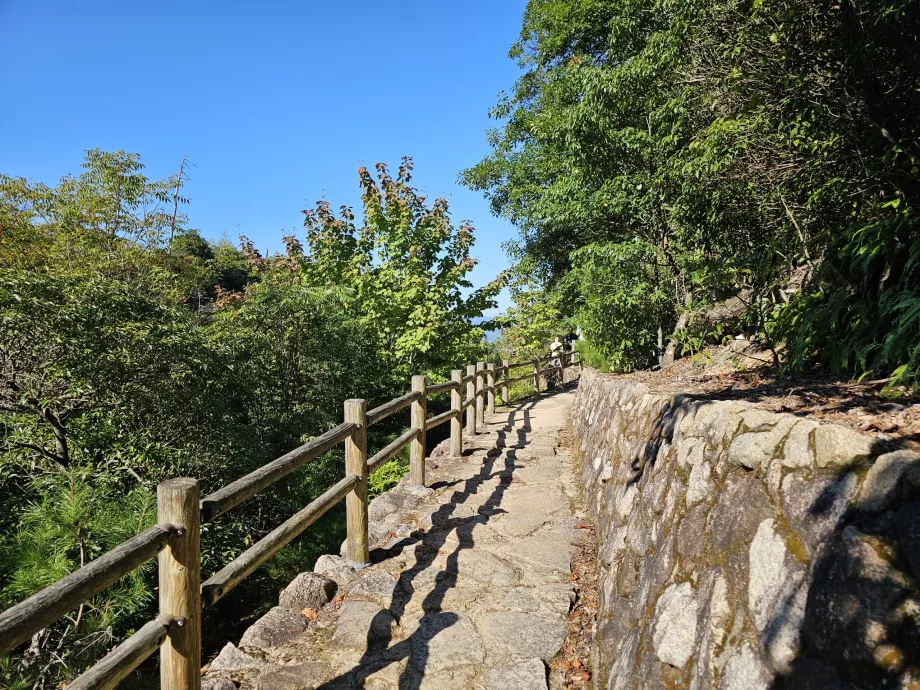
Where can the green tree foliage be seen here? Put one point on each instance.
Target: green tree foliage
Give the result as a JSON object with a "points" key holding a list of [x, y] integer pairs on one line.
{"points": [[403, 271], [661, 156], [132, 349]]}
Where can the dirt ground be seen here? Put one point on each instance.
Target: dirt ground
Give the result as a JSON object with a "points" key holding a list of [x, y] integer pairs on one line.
{"points": [[571, 667], [744, 371]]}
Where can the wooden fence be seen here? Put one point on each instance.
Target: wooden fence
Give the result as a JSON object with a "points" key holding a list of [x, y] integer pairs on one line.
{"points": [[176, 631]]}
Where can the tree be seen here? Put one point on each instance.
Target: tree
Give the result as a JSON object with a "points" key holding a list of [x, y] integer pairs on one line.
{"points": [[403, 272], [738, 143]]}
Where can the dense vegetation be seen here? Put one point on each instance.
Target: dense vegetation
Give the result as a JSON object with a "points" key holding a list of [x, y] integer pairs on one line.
{"points": [[662, 157], [133, 350]]}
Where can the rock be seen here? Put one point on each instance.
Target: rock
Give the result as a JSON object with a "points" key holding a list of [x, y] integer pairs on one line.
{"points": [[335, 568], [219, 683], [908, 528], [701, 485], [839, 446], [529, 674], [814, 507], [376, 586], [627, 577], [746, 671], [713, 622], [276, 628], [674, 628], [545, 552], [486, 567], [525, 635], [752, 449], [690, 451], [808, 674], [306, 676], [362, 623], [446, 640], [879, 488], [622, 672], [307, 591], [743, 505], [798, 449], [777, 593], [854, 588], [691, 541], [233, 659]]}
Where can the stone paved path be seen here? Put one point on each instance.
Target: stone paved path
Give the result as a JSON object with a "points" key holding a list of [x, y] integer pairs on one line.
{"points": [[469, 587]]}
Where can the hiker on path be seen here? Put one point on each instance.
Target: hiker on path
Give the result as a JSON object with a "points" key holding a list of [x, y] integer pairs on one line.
{"points": [[570, 338]]}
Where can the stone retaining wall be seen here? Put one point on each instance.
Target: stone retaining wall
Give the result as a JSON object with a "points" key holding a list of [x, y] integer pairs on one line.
{"points": [[742, 549]]}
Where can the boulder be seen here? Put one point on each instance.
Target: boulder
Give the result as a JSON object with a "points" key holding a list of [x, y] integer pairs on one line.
{"points": [[233, 659], [307, 591], [335, 568], [276, 628], [674, 631]]}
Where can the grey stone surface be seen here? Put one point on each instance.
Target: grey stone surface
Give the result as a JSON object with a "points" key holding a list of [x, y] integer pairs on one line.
{"points": [[529, 674], [525, 635], [776, 595], [837, 446], [743, 505], [814, 507], [335, 568], [484, 566], [701, 484], [746, 671], [219, 683], [305, 676], [750, 523], [879, 489], [361, 623], [307, 590], [445, 640], [674, 628], [376, 586], [277, 627], [233, 659]]}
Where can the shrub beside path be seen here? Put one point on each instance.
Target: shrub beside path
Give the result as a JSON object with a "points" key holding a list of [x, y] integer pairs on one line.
{"points": [[470, 585]]}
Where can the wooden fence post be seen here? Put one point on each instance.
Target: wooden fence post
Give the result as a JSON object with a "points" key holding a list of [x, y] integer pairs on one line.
{"points": [[180, 584], [536, 376], [490, 387], [480, 394], [456, 424], [471, 395], [417, 446], [356, 501], [506, 388]]}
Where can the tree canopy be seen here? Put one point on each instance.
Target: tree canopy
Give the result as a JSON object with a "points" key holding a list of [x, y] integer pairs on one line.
{"points": [[658, 157], [133, 349]]}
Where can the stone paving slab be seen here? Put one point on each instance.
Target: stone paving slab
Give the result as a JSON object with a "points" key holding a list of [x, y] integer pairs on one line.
{"points": [[470, 584]]}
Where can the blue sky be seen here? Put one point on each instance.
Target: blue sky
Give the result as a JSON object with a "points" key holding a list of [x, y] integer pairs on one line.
{"points": [[276, 103]]}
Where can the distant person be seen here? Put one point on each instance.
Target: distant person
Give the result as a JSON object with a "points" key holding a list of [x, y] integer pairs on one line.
{"points": [[556, 347], [570, 338]]}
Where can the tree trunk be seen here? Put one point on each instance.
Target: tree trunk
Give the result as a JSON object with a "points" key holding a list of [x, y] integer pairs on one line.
{"points": [[667, 359]]}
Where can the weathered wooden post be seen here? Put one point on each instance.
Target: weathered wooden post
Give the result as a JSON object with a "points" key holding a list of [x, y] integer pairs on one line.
{"points": [[480, 393], [417, 446], [490, 388], [456, 423], [506, 388], [536, 376], [471, 395], [180, 584], [357, 548]]}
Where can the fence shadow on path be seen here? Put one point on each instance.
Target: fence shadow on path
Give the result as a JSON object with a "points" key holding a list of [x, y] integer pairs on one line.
{"points": [[500, 463]]}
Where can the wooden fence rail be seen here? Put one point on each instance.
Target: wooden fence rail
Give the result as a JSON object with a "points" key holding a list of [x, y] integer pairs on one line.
{"points": [[176, 632]]}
